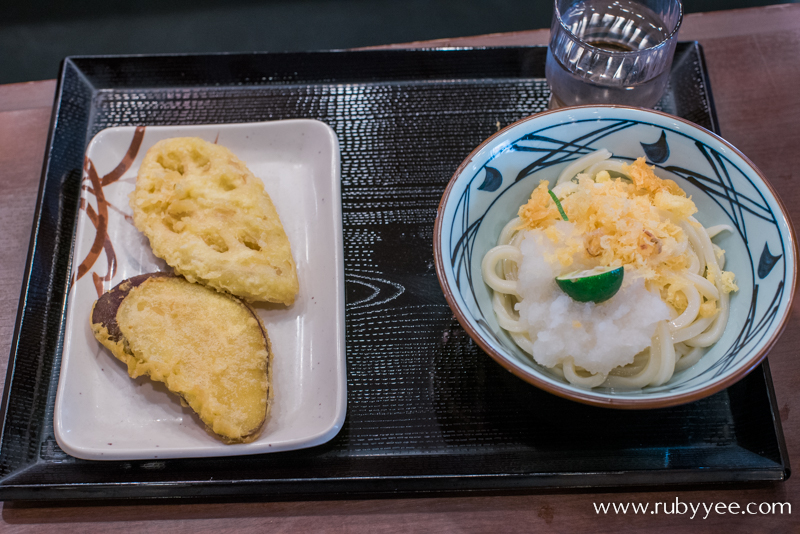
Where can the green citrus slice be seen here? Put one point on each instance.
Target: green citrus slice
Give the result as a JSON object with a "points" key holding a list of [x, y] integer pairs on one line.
{"points": [[595, 285]]}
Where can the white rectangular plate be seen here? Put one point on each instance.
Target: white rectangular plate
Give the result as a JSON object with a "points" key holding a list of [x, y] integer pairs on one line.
{"points": [[100, 413]]}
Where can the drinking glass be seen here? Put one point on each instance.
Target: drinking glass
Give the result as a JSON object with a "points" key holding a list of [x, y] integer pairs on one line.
{"points": [[611, 51]]}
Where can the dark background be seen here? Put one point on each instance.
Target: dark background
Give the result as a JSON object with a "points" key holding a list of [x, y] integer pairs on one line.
{"points": [[36, 35]]}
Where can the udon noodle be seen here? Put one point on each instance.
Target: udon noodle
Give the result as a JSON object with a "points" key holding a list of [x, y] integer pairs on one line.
{"points": [[633, 219]]}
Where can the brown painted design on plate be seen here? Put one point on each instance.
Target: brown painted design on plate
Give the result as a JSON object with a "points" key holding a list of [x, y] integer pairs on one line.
{"points": [[99, 218]]}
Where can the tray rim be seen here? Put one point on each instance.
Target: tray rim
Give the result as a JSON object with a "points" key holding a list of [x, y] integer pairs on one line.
{"points": [[66, 491]]}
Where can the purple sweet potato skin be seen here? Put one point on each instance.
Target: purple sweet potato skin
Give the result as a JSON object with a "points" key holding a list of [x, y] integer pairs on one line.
{"points": [[105, 309]]}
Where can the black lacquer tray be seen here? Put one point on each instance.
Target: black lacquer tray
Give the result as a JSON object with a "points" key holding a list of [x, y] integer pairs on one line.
{"points": [[428, 412]]}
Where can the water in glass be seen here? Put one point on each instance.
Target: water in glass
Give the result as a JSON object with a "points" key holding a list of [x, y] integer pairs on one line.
{"points": [[618, 52]]}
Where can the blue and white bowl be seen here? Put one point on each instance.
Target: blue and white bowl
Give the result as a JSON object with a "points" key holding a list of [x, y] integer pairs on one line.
{"points": [[488, 188]]}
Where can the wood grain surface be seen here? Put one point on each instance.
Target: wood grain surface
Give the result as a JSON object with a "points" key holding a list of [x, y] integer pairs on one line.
{"points": [[752, 56]]}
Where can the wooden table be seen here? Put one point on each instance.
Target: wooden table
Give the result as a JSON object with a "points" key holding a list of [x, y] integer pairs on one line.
{"points": [[752, 58]]}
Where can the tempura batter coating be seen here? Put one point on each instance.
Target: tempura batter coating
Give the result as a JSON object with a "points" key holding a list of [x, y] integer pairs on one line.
{"points": [[210, 219], [208, 347]]}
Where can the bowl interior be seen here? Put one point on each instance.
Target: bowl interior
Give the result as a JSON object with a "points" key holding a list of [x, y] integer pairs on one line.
{"points": [[498, 177]]}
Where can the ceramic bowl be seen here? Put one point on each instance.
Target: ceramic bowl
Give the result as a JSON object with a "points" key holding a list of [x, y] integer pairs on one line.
{"points": [[498, 176]]}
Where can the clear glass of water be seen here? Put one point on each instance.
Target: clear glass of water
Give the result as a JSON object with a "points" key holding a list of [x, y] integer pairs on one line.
{"points": [[611, 51]]}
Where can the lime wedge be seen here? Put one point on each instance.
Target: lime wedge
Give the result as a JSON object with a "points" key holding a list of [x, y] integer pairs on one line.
{"points": [[595, 285]]}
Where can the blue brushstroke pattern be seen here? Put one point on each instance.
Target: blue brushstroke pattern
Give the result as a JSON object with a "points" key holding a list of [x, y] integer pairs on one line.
{"points": [[492, 181], [767, 262], [657, 152]]}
